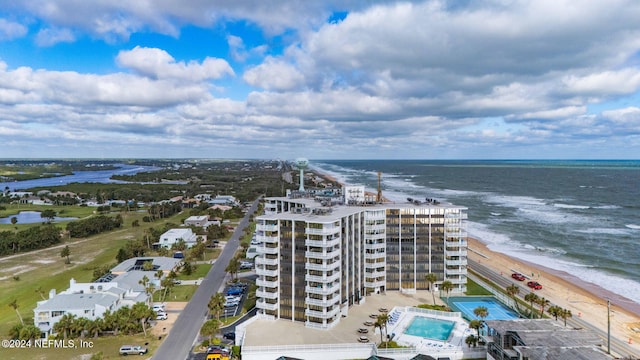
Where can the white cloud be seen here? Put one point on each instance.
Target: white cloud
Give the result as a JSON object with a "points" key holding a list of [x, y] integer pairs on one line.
{"points": [[50, 37], [158, 64], [273, 74], [11, 30]]}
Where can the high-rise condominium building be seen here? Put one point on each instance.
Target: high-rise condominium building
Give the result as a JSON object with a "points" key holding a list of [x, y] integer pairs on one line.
{"points": [[323, 252]]}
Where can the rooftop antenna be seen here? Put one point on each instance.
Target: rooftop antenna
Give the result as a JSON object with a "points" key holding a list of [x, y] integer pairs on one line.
{"points": [[379, 197], [302, 164]]}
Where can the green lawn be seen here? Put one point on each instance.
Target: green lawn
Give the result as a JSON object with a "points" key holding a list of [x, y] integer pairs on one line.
{"points": [[178, 293], [108, 345], [201, 271], [474, 289]]}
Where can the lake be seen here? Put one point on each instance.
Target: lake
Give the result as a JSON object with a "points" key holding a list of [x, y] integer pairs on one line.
{"points": [[31, 217]]}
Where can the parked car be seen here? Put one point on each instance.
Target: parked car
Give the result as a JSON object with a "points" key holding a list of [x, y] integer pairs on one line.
{"points": [[133, 350], [158, 307], [518, 276], [235, 291], [534, 285], [161, 316], [230, 335]]}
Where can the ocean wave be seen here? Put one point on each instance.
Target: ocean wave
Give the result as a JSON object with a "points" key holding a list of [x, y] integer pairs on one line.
{"points": [[633, 226], [609, 231], [496, 214], [567, 206]]}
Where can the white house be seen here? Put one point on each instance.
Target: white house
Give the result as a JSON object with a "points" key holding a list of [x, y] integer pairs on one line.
{"points": [[199, 221], [172, 236]]}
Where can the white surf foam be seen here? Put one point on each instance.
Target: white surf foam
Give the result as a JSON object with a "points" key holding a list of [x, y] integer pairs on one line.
{"points": [[602, 231], [633, 226]]}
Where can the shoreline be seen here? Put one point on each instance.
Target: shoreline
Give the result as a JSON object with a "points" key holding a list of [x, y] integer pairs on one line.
{"points": [[585, 300]]}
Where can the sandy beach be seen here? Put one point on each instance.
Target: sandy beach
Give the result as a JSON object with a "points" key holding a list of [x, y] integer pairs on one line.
{"points": [[584, 299]]}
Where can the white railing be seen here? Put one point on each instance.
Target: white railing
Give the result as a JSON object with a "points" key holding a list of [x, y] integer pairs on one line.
{"points": [[266, 294], [456, 253], [267, 250], [375, 246], [376, 227], [375, 236], [445, 314], [322, 278], [457, 271], [377, 283], [375, 274], [456, 262], [265, 272], [322, 255], [375, 255], [261, 304], [323, 243], [456, 243], [267, 227], [323, 290], [323, 231], [267, 239], [259, 260], [320, 302], [328, 314], [266, 283], [322, 267]]}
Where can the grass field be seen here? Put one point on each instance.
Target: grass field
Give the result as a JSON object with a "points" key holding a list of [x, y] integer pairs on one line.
{"points": [[178, 293], [108, 345], [45, 270]]}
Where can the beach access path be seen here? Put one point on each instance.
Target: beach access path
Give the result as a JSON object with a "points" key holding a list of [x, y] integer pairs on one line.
{"points": [[585, 300]]}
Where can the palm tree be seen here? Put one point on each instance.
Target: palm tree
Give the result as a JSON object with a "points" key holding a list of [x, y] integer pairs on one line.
{"points": [[543, 304], [141, 312], [476, 324], [41, 292], [470, 340], [29, 332], [14, 306], [554, 311], [233, 267], [446, 286], [216, 304], [564, 314], [513, 290], [379, 325], [210, 328], [65, 324], [531, 298], [383, 318], [431, 278], [95, 326], [481, 312], [65, 253]]}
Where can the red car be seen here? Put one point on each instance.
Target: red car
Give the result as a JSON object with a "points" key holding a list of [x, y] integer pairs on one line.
{"points": [[518, 276], [534, 285]]}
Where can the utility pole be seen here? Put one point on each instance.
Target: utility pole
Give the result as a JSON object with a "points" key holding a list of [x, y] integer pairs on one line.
{"points": [[608, 326]]}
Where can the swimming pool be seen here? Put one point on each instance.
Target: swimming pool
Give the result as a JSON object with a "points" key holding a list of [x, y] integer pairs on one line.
{"points": [[430, 328], [497, 310]]}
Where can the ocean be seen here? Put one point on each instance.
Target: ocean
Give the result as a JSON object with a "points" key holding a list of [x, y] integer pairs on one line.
{"points": [[580, 217]]}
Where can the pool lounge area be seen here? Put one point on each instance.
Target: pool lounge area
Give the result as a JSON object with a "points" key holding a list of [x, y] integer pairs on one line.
{"points": [[431, 332]]}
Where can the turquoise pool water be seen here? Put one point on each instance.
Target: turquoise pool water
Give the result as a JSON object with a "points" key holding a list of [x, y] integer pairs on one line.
{"points": [[430, 328], [497, 310]]}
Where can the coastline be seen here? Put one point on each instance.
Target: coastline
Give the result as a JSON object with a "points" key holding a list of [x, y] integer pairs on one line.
{"points": [[584, 299]]}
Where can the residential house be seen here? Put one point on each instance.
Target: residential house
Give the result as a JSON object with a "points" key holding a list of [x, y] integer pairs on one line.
{"points": [[173, 236]]}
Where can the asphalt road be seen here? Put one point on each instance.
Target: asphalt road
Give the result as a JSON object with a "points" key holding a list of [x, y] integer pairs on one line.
{"points": [[617, 346], [185, 330]]}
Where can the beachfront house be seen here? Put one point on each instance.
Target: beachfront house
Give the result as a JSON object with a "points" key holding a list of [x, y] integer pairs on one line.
{"points": [[173, 236]]}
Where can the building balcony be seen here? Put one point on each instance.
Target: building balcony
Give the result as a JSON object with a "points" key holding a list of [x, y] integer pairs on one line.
{"points": [[261, 304], [376, 283], [267, 227], [461, 252], [322, 278], [322, 267], [267, 283], [374, 237], [326, 303], [267, 250], [456, 233], [456, 271], [323, 243], [460, 215], [260, 260], [328, 314], [267, 239], [266, 294], [322, 290], [458, 242], [375, 274], [322, 255], [375, 246], [380, 255], [323, 231], [457, 279], [265, 272], [376, 227], [456, 262]]}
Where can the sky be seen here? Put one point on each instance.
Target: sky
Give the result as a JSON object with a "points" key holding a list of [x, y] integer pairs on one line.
{"points": [[331, 79]]}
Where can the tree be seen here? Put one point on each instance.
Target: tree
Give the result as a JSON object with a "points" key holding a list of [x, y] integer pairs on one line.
{"points": [[470, 340], [380, 326], [40, 292], [383, 318], [66, 252], [147, 265], [554, 311], [64, 325], [446, 286], [48, 215], [29, 332], [513, 290], [481, 312], [476, 324], [142, 313], [14, 220], [187, 268], [14, 306], [233, 267], [216, 304], [543, 304], [431, 278], [531, 298], [564, 314], [210, 328]]}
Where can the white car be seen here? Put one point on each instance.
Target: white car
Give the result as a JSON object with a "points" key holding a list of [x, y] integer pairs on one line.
{"points": [[161, 316]]}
